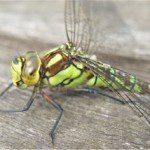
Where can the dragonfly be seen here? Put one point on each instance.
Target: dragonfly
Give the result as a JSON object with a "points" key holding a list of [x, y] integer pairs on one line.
{"points": [[74, 64]]}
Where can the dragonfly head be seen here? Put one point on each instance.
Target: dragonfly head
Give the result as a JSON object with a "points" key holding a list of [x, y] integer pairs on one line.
{"points": [[25, 70]]}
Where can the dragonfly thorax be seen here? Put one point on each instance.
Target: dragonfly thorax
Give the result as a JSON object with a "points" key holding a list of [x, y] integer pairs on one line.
{"points": [[25, 70]]}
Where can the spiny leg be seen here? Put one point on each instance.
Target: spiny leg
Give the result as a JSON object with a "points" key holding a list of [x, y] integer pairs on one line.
{"points": [[6, 89], [99, 91], [59, 108], [25, 108]]}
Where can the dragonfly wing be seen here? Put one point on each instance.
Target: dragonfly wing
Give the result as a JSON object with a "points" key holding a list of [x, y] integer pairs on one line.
{"points": [[135, 101], [97, 26], [77, 24]]}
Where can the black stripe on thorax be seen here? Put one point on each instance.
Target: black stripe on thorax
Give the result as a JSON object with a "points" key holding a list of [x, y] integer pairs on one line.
{"points": [[71, 80]]}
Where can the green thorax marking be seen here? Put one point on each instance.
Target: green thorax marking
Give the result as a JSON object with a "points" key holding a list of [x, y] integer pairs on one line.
{"points": [[65, 71]]}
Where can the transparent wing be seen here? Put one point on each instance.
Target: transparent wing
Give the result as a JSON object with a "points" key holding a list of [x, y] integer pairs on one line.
{"points": [[97, 26], [137, 103], [77, 24]]}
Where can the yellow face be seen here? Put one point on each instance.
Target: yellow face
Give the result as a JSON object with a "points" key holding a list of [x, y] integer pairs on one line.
{"points": [[16, 71], [25, 70]]}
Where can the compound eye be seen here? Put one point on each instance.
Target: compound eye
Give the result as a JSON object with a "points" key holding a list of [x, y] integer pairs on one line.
{"points": [[15, 61]]}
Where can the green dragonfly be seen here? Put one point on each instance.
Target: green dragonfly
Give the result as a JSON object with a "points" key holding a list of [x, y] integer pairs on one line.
{"points": [[74, 64]]}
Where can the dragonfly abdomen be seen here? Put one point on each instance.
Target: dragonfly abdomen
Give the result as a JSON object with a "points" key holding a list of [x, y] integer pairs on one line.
{"points": [[119, 80], [60, 71]]}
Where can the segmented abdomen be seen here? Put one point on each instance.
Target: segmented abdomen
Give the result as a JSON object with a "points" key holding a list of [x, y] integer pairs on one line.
{"points": [[59, 71], [119, 80]]}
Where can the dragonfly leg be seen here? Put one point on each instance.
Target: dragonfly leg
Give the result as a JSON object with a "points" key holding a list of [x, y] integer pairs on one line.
{"points": [[99, 91], [25, 108], [59, 108], [5, 90]]}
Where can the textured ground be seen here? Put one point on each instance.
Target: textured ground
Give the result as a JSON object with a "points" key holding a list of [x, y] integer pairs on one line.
{"points": [[89, 121]]}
